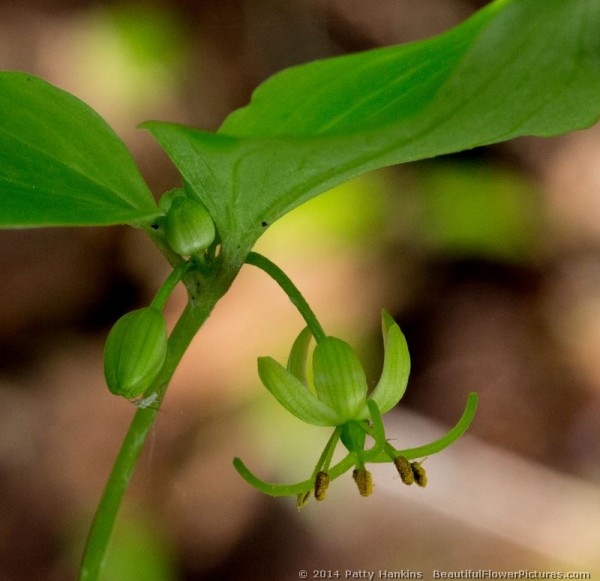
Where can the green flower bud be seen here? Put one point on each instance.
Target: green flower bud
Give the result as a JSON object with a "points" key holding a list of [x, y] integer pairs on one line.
{"points": [[189, 228], [167, 199], [135, 351]]}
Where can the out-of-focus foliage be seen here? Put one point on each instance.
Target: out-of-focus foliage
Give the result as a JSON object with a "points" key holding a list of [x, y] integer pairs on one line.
{"points": [[473, 211]]}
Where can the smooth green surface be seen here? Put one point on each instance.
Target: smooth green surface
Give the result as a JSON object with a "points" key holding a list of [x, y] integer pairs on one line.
{"points": [[135, 351], [60, 163], [520, 67]]}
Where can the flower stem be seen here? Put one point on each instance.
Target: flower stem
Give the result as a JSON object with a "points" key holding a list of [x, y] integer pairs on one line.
{"points": [[327, 454], [164, 292], [290, 289], [192, 318]]}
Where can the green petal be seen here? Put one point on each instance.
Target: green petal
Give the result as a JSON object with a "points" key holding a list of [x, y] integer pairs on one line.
{"points": [[436, 446], [298, 355], [339, 378], [396, 368], [291, 489], [293, 395]]}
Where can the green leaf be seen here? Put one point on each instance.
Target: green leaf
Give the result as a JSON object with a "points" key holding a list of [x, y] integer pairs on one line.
{"points": [[60, 163], [517, 67]]}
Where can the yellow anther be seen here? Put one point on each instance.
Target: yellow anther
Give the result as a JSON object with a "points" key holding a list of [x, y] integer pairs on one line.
{"points": [[404, 469], [419, 474], [364, 481], [321, 484]]}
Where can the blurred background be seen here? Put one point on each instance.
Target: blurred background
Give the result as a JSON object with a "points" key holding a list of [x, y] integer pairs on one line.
{"points": [[489, 260]]}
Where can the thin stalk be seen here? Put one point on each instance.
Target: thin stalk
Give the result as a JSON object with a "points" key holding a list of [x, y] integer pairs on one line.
{"points": [[327, 454], [164, 292], [290, 289]]}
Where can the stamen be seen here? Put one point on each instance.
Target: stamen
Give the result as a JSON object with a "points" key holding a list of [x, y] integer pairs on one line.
{"points": [[302, 499], [321, 484], [364, 481], [419, 474], [405, 469]]}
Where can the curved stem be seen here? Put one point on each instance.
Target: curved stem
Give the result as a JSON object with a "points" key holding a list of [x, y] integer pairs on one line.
{"points": [[327, 454], [164, 292], [378, 430], [290, 289], [192, 318]]}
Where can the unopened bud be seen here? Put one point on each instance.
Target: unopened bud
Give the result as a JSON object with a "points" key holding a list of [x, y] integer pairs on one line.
{"points": [[135, 351], [190, 228]]}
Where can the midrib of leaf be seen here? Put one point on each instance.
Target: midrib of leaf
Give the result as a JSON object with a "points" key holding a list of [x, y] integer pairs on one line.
{"points": [[371, 97]]}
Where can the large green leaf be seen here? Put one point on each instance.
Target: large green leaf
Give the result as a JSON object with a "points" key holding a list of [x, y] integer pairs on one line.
{"points": [[60, 163], [517, 67]]}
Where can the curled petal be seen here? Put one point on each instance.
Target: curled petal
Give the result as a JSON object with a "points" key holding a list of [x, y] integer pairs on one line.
{"points": [[299, 488], [298, 355], [436, 446], [339, 378], [396, 368], [293, 395]]}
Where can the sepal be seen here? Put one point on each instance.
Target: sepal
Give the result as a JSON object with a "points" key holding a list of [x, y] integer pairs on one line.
{"points": [[396, 367], [339, 378], [299, 355], [293, 395]]}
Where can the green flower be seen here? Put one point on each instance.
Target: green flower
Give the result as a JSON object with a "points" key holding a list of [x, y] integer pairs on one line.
{"points": [[338, 397], [340, 386]]}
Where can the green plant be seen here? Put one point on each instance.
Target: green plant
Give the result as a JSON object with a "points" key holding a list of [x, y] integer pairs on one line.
{"points": [[495, 77]]}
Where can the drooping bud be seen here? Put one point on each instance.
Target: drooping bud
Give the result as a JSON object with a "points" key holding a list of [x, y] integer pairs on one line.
{"points": [[321, 484], [404, 469], [364, 481], [189, 228], [135, 351], [419, 474]]}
